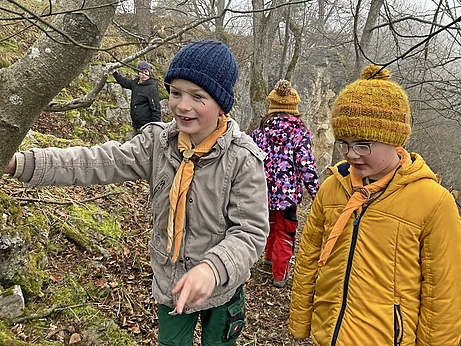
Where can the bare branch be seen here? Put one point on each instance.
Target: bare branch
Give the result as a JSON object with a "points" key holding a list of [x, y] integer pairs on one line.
{"points": [[88, 99], [68, 39]]}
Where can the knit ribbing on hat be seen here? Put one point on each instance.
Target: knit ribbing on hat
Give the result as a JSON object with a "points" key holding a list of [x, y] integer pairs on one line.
{"points": [[283, 98], [372, 108], [209, 64]]}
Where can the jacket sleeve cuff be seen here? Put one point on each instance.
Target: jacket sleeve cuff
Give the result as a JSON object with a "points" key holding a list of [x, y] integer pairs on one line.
{"points": [[219, 270], [25, 165]]}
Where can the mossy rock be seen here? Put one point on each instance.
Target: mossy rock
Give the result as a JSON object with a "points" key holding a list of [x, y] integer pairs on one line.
{"points": [[11, 214], [23, 267], [71, 300]]}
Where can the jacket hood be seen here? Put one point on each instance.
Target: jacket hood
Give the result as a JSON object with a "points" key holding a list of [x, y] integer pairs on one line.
{"points": [[287, 119], [404, 175]]}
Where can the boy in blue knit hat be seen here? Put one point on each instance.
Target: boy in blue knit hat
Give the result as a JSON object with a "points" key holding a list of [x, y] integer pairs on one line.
{"points": [[208, 208]]}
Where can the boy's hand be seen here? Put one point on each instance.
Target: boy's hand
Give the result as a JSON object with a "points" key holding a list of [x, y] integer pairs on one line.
{"points": [[195, 287], [11, 166]]}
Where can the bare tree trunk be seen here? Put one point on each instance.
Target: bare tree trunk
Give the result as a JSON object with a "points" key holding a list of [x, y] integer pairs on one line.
{"points": [[219, 22], [321, 22], [264, 26], [362, 46], [285, 43], [55, 59], [297, 35], [142, 13]]}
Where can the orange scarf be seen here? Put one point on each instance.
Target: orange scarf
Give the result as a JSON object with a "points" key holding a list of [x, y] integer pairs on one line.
{"points": [[360, 196], [182, 181]]}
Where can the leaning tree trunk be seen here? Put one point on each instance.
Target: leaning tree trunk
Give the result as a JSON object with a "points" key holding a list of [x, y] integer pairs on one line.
{"points": [[265, 25], [54, 60]]}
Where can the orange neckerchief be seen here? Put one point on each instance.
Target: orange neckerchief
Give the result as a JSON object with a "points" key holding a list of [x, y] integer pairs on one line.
{"points": [[182, 181], [361, 195]]}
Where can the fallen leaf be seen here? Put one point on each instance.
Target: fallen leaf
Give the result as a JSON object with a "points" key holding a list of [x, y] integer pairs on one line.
{"points": [[101, 283], [75, 338], [55, 278]]}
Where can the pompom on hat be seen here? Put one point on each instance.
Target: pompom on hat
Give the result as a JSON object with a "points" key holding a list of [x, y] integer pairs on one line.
{"points": [[372, 108], [209, 64], [143, 65], [283, 98]]}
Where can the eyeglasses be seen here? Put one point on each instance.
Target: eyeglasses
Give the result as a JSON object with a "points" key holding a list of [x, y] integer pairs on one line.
{"points": [[361, 149]]}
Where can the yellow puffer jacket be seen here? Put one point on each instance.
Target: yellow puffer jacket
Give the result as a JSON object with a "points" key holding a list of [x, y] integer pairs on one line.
{"points": [[394, 275]]}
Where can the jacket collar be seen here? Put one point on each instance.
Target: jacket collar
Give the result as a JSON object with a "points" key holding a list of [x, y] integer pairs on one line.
{"points": [[403, 176], [168, 137]]}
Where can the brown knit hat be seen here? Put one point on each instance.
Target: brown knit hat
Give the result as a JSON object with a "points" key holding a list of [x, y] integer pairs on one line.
{"points": [[372, 108], [283, 99]]}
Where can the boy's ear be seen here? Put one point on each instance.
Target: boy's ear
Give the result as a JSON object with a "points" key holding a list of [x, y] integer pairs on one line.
{"points": [[221, 112]]}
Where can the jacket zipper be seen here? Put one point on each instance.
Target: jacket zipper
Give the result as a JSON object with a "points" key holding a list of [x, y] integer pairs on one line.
{"points": [[346, 279], [159, 186], [348, 273], [398, 326]]}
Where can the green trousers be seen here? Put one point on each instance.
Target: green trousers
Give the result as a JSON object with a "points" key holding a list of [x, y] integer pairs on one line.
{"points": [[220, 325]]}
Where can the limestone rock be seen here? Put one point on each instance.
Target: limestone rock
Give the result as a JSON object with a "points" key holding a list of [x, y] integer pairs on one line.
{"points": [[11, 302]]}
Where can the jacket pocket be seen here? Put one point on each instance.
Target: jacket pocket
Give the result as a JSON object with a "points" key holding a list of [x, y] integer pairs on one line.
{"points": [[155, 254], [398, 325], [235, 320], [160, 185]]}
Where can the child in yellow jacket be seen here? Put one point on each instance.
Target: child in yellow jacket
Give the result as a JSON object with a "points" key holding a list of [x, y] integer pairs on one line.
{"points": [[378, 259]]}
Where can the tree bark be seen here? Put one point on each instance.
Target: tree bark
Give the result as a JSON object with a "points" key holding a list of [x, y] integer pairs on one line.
{"points": [[142, 12], [54, 60]]}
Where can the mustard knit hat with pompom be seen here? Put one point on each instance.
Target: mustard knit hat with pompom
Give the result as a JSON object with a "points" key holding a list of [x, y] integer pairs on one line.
{"points": [[372, 108], [283, 99]]}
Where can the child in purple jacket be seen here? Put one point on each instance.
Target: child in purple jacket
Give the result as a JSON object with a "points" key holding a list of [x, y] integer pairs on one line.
{"points": [[289, 165]]}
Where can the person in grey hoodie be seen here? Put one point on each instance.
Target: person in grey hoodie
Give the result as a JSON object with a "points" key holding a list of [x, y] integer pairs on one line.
{"points": [[208, 195]]}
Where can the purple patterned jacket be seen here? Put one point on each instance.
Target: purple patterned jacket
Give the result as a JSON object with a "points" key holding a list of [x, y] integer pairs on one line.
{"points": [[289, 163]]}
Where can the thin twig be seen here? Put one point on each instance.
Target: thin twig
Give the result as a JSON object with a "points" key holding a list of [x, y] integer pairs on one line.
{"points": [[45, 313], [25, 199]]}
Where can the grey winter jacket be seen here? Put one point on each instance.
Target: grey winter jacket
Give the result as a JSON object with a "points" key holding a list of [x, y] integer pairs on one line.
{"points": [[226, 210]]}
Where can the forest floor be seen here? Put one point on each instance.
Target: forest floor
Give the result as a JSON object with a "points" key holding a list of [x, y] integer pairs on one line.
{"points": [[125, 277]]}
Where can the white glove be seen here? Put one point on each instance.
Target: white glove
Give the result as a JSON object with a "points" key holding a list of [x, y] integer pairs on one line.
{"points": [[110, 68], [111, 65]]}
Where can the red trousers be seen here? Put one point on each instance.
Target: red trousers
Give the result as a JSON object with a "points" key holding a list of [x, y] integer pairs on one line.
{"points": [[281, 241]]}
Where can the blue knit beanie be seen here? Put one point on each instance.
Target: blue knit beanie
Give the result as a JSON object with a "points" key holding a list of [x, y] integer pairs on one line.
{"points": [[143, 65], [209, 64]]}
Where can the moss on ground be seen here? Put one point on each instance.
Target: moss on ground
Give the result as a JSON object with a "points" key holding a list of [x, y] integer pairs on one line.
{"points": [[91, 218]]}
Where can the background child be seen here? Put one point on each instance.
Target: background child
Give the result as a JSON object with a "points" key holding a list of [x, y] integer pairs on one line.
{"points": [[378, 262], [145, 99], [210, 218], [289, 165]]}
